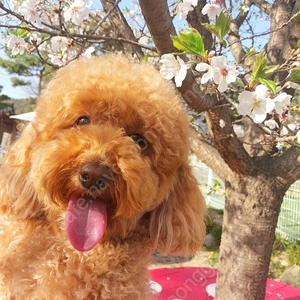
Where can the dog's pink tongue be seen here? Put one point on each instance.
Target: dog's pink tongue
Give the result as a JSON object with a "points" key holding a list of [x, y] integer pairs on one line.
{"points": [[85, 222]]}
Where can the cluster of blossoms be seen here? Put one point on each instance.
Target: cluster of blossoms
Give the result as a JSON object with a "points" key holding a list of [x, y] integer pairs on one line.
{"points": [[218, 70], [185, 7], [256, 104], [211, 9], [33, 11], [60, 49], [260, 104]]}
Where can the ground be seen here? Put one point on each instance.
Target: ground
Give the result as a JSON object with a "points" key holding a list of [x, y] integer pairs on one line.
{"points": [[199, 260]]}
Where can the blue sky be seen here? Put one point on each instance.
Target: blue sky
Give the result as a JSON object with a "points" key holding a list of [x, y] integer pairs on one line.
{"points": [[15, 93], [20, 92]]}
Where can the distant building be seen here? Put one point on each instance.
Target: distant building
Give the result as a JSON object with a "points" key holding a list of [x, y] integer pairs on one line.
{"points": [[8, 129]]}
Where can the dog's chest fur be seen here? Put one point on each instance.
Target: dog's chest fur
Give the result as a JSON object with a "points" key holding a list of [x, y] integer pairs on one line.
{"points": [[43, 265]]}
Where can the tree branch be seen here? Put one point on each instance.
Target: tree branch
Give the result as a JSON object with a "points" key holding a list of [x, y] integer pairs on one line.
{"points": [[210, 156], [159, 22], [263, 5], [121, 27], [233, 35], [89, 38], [226, 141], [286, 167]]}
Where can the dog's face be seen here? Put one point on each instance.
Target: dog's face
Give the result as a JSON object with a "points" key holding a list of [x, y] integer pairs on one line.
{"points": [[109, 145]]}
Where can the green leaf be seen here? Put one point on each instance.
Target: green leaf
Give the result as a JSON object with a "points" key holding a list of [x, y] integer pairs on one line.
{"points": [[270, 84], [222, 25], [268, 70], [251, 51], [295, 75], [189, 42], [211, 28], [259, 65], [21, 33]]}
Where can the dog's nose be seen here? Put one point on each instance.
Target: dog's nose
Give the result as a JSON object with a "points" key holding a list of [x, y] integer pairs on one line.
{"points": [[94, 176]]}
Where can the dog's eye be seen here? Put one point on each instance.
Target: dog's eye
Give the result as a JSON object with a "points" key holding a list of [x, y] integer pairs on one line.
{"points": [[83, 121], [139, 140]]}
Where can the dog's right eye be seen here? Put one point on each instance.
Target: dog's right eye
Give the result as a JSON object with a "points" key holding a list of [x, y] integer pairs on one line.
{"points": [[83, 121]]}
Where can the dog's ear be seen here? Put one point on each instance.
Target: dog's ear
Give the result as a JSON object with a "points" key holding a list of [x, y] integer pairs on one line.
{"points": [[177, 225], [17, 194]]}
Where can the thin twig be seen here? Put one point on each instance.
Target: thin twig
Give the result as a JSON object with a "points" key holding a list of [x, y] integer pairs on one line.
{"points": [[105, 17]]}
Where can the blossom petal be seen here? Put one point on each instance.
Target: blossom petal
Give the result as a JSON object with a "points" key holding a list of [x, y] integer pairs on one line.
{"points": [[261, 91], [257, 118], [246, 103], [201, 67], [298, 136], [180, 76], [223, 85]]}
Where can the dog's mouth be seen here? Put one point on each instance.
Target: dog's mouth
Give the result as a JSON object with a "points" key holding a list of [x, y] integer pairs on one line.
{"points": [[86, 220]]}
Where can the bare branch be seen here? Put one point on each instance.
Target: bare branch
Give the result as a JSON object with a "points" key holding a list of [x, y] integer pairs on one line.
{"points": [[287, 167], [106, 16], [233, 36], [226, 141], [263, 5], [210, 156], [121, 27], [89, 38]]}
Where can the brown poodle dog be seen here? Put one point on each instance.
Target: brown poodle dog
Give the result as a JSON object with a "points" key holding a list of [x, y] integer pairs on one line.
{"points": [[97, 182]]}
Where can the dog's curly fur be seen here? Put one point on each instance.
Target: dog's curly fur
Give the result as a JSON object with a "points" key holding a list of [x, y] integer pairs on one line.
{"points": [[120, 115]]}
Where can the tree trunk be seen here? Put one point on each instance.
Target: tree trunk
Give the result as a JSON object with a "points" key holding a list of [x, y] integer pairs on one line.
{"points": [[250, 217], [255, 185], [280, 44], [121, 27]]}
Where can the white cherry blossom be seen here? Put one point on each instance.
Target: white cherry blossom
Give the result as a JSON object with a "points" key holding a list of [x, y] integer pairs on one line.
{"points": [[16, 44], [87, 53], [209, 72], [173, 67], [282, 101], [76, 12], [223, 74], [186, 7], [58, 43], [56, 60], [14, 5], [211, 10], [291, 85], [29, 10], [255, 104], [286, 130], [298, 136], [271, 123], [50, 18]]}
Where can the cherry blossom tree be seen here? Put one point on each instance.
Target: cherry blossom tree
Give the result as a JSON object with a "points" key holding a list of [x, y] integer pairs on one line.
{"points": [[219, 72]]}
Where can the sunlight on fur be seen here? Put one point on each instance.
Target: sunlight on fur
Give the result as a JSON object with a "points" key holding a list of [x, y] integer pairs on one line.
{"points": [[95, 184]]}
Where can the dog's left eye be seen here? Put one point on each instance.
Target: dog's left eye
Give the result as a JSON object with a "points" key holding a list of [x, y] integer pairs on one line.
{"points": [[83, 121], [139, 140]]}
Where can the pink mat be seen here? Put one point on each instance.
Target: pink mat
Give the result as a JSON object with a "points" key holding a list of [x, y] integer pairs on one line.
{"points": [[190, 284]]}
